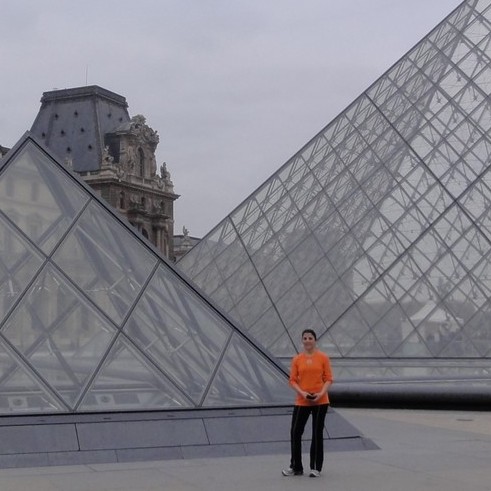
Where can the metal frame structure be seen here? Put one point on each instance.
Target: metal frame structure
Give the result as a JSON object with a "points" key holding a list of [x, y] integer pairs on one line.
{"points": [[377, 232], [94, 319]]}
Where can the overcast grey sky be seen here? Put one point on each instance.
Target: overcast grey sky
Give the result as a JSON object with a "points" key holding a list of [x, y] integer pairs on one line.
{"points": [[233, 87]]}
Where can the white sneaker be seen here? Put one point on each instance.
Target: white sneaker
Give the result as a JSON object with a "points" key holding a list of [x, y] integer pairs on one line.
{"points": [[291, 472], [314, 473]]}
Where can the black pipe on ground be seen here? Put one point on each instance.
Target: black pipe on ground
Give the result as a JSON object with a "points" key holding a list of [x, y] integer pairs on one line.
{"points": [[411, 396]]}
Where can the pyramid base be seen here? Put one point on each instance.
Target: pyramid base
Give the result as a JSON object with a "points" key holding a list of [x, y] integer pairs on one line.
{"points": [[35, 441]]}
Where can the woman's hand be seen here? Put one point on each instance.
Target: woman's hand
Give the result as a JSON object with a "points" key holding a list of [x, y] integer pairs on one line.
{"points": [[311, 396]]}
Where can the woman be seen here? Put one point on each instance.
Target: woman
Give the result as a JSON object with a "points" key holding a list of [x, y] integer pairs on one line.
{"points": [[310, 377]]}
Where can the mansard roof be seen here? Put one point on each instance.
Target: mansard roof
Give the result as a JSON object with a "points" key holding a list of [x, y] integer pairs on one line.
{"points": [[73, 122]]}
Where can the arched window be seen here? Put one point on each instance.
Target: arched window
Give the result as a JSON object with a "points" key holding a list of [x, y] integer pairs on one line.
{"points": [[141, 162], [144, 233], [121, 200]]}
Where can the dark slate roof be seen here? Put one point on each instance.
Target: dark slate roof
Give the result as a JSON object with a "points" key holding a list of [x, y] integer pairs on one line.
{"points": [[72, 123]]}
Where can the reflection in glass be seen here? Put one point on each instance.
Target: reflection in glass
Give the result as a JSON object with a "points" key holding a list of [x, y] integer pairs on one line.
{"points": [[245, 378], [20, 392], [176, 330], [105, 260], [60, 334], [127, 382], [44, 201], [62, 307], [18, 262]]}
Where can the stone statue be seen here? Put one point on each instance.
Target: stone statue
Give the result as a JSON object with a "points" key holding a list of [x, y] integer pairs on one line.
{"points": [[107, 158], [69, 162], [165, 176]]}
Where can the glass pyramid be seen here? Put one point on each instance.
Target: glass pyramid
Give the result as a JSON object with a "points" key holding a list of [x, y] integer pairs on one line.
{"points": [[92, 319], [377, 233]]}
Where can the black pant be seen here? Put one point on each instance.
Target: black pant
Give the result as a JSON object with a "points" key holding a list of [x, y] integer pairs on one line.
{"points": [[299, 420]]}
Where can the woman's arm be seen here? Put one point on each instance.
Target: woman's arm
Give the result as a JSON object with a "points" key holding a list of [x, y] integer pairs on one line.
{"points": [[294, 377], [323, 391], [298, 389], [327, 377]]}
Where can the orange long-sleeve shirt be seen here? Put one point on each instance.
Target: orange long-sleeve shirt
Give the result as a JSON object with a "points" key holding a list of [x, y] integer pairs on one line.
{"points": [[311, 372]]}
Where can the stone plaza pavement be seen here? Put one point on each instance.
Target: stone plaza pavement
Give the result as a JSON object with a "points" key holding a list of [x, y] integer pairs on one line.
{"points": [[418, 451]]}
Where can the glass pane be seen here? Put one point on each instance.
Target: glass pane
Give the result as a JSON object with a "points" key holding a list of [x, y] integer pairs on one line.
{"points": [[306, 255], [127, 382], [20, 391], [60, 334], [39, 197], [179, 332], [253, 305], [245, 378], [106, 261], [269, 332], [242, 281], [280, 280], [290, 307], [18, 263]]}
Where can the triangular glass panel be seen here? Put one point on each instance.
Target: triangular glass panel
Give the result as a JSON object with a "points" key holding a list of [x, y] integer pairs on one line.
{"points": [[21, 392], [127, 381], [245, 378], [246, 215], [459, 346], [19, 261], [413, 346], [368, 346], [38, 196], [309, 317], [283, 343], [171, 326], [207, 249], [269, 331], [327, 343], [231, 258], [211, 277], [253, 305], [244, 279], [477, 329]]}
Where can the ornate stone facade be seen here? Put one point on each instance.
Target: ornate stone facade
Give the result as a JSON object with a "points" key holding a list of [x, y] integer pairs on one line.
{"points": [[128, 180], [91, 130]]}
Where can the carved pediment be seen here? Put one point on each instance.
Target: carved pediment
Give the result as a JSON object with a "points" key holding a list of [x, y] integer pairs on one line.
{"points": [[132, 147], [143, 132]]}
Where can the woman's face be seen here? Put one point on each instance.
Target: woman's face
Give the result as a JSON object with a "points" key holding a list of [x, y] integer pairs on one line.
{"points": [[308, 341]]}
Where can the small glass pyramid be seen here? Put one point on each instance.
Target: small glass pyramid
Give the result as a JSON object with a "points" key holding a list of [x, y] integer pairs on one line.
{"points": [[91, 317], [377, 233]]}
